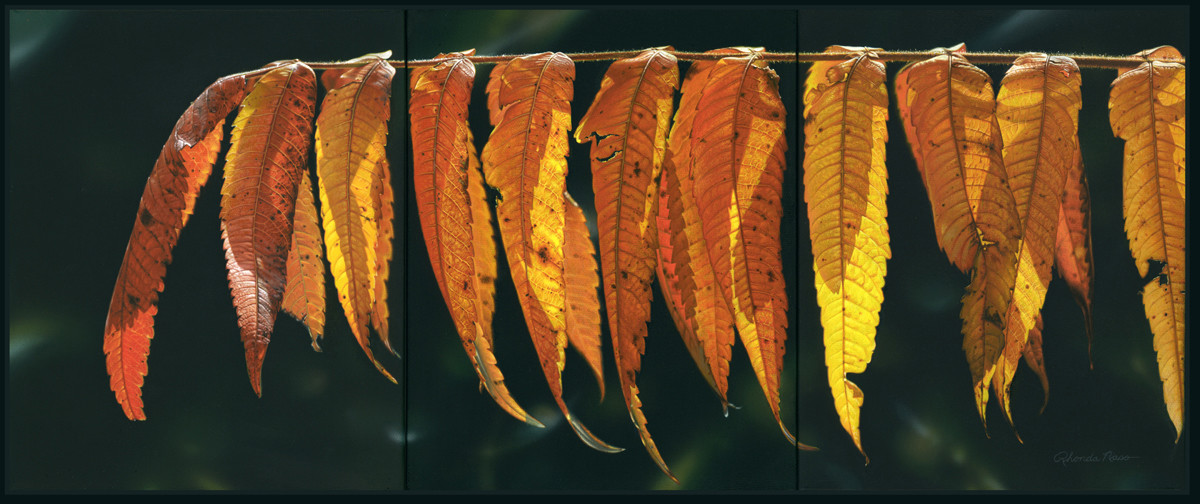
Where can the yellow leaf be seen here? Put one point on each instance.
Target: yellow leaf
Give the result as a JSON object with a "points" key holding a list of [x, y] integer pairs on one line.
{"points": [[355, 194], [845, 187], [1147, 109]]}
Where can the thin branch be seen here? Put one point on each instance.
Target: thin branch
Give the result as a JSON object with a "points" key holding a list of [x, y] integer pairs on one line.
{"points": [[987, 58]]}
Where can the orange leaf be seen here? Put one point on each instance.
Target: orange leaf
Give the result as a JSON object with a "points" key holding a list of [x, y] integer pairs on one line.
{"points": [[628, 123], [182, 168], [356, 195], [529, 102], [1147, 109], [1038, 112], [583, 306], [1073, 251], [669, 280], [687, 278], [583, 309], [267, 156], [737, 144], [304, 297], [845, 187], [455, 218], [948, 109]]}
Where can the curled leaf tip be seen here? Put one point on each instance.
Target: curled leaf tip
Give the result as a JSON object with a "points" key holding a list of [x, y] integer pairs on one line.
{"points": [[590, 439]]}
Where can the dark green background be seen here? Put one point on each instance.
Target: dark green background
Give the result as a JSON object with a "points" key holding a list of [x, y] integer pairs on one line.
{"points": [[91, 96]]}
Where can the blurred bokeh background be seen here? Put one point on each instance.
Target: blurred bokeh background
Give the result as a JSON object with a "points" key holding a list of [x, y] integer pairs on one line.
{"points": [[91, 96]]}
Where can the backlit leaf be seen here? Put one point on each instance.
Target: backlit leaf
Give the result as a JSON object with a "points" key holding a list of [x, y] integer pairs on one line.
{"points": [[583, 304], [627, 124], [1073, 252], [529, 103], [304, 297], [688, 280], [845, 187], [1147, 109], [182, 168], [355, 194], [1032, 354], [267, 157], [1038, 112], [738, 145], [455, 218], [947, 108]]}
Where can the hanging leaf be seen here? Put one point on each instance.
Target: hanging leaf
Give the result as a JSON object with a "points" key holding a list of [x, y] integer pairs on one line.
{"points": [[455, 218], [1147, 109], [738, 146], [1073, 250], [845, 187], [583, 305], [668, 273], [686, 273], [948, 111], [383, 241], [304, 297], [1038, 112], [627, 124], [266, 160], [1033, 357], [356, 195], [529, 103], [182, 168]]}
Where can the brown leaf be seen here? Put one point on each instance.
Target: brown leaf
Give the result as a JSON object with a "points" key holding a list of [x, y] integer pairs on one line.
{"points": [[1032, 353], [583, 306], [738, 144], [698, 307]]}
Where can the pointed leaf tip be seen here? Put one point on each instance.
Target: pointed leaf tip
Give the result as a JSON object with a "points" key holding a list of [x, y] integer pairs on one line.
{"points": [[267, 157]]}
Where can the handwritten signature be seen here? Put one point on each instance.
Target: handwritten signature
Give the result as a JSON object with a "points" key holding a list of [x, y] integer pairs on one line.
{"points": [[1109, 457]]}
